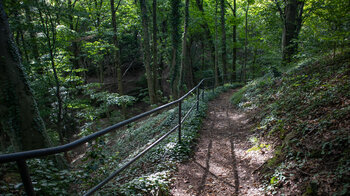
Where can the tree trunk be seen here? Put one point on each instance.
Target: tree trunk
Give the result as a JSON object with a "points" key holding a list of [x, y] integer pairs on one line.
{"points": [[253, 69], [223, 41], [189, 78], [33, 41], [19, 115], [101, 73], [98, 6], [75, 48], [208, 36], [292, 21], [234, 42], [155, 51], [117, 50], [244, 71], [175, 24], [47, 26], [289, 31], [25, 51], [216, 60], [59, 99], [184, 59], [203, 52], [146, 51]]}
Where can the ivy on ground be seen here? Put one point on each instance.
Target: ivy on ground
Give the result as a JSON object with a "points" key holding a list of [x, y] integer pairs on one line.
{"points": [[305, 113]]}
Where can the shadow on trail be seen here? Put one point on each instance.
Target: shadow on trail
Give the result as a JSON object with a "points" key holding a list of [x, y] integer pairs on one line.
{"points": [[206, 169], [215, 176], [234, 167]]}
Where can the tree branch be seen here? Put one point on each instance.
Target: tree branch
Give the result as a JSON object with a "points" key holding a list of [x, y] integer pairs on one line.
{"points": [[300, 15], [116, 9], [73, 5], [200, 5], [233, 10], [280, 10], [301, 8]]}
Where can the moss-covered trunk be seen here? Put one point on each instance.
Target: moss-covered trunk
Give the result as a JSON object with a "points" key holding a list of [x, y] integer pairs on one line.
{"points": [[223, 41], [209, 39], [291, 17], [175, 39], [216, 63], [155, 50], [234, 42], [184, 58], [147, 51], [117, 52]]}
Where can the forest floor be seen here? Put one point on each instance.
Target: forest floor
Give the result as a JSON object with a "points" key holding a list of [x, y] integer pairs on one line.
{"points": [[222, 163]]}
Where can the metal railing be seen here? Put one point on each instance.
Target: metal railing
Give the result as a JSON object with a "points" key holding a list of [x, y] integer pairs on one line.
{"points": [[21, 157]]}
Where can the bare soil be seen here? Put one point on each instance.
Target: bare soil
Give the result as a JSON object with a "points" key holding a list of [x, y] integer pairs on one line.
{"points": [[221, 164]]}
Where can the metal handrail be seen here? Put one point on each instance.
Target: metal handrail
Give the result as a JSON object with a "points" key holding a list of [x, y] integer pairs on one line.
{"points": [[21, 157]]}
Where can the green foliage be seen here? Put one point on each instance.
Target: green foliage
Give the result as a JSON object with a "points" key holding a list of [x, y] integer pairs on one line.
{"points": [[255, 89], [149, 175], [153, 184], [80, 38], [237, 96], [97, 49], [103, 99], [323, 24], [47, 179]]}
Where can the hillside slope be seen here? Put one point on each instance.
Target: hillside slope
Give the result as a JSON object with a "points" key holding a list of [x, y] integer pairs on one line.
{"points": [[304, 117]]}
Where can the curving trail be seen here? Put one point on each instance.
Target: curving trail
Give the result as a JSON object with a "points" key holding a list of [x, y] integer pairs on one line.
{"points": [[221, 164]]}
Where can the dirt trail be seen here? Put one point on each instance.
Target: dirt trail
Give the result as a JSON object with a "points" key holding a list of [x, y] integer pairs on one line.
{"points": [[221, 164]]}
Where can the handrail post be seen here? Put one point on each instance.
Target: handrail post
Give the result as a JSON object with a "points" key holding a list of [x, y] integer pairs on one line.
{"points": [[27, 182], [197, 99], [180, 121]]}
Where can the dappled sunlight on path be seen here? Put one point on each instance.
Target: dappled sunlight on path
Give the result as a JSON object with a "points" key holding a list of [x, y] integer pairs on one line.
{"points": [[221, 164]]}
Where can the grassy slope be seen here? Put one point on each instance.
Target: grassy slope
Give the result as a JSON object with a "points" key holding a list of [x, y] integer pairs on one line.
{"points": [[305, 114]]}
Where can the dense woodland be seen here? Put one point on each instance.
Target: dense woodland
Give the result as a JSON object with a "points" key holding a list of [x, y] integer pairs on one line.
{"points": [[69, 68]]}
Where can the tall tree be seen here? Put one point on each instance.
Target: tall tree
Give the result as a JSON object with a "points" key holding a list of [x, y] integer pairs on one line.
{"points": [[223, 40], [74, 44], [208, 36], [155, 50], [234, 40], [48, 25], [33, 39], [244, 68], [146, 51], [117, 50], [96, 11], [184, 60], [291, 17], [175, 38], [216, 63], [19, 116]]}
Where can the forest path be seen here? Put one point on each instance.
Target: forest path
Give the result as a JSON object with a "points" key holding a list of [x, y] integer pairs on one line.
{"points": [[221, 164]]}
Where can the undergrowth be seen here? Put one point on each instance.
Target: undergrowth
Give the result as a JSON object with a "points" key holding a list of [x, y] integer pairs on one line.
{"points": [[150, 175], [305, 114], [153, 170]]}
